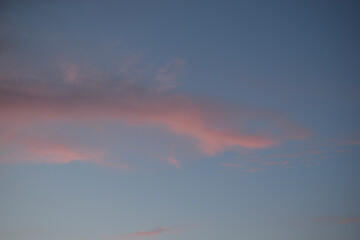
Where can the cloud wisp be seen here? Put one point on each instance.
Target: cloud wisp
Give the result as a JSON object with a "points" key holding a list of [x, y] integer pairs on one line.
{"points": [[149, 233], [310, 152], [334, 220], [51, 149]]}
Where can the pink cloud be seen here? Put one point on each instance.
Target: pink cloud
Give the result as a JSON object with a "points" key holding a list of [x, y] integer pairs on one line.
{"points": [[46, 151], [311, 152], [351, 142], [173, 161], [349, 220], [71, 74], [350, 139], [35, 149], [332, 220], [179, 113], [154, 232], [215, 126], [342, 150]]}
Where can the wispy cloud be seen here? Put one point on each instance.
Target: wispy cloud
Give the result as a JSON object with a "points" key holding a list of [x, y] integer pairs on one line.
{"points": [[149, 233], [334, 220], [349, 142], [136, 106], [167, 74], [173, 161], [35, 149], [88, 96], [349, 220], [156, 231], [310, 152]]}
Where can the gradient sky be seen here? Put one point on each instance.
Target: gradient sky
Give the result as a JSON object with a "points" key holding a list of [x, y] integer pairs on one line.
{"points": [[197, 120]]}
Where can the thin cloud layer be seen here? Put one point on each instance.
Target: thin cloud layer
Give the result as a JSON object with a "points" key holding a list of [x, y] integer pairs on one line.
{"points": [[173, 161], [167, 73], [35, 149], [216, 127], [334, 220], [150, 233]]}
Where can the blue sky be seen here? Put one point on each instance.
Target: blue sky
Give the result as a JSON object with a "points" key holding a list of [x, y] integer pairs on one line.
{"points": [[179, 120]]}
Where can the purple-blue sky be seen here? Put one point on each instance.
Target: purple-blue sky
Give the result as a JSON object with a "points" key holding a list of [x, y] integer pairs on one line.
{"points": [[176, 120]]}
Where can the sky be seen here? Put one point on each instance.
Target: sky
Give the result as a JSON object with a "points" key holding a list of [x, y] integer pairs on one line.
{"points": [[198, 120]]}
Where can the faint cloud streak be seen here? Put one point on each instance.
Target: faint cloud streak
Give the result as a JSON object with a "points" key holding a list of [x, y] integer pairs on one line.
{"points": [[150, 233]]}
